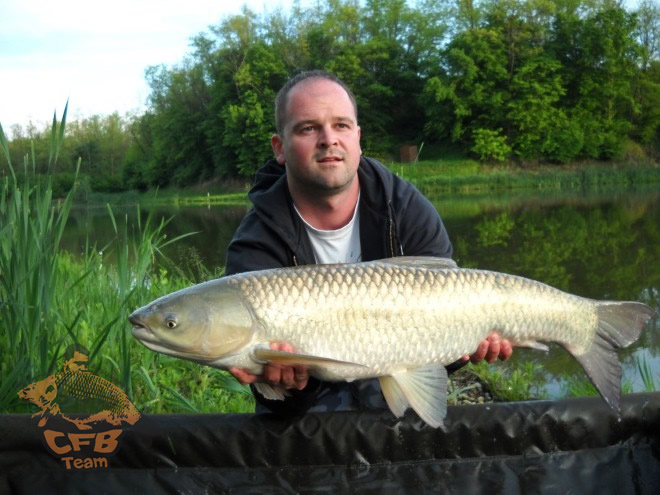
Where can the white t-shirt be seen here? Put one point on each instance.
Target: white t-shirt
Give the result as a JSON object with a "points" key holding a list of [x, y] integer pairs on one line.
{"points": [[336, 246]]}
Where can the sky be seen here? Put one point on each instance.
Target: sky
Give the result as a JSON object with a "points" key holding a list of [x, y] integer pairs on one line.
{"points": [[94, 53]]}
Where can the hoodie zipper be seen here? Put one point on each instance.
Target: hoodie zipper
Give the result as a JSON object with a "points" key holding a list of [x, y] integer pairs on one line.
{"points": [[392, 235]]}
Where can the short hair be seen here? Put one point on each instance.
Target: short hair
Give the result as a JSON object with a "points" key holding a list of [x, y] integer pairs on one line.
{"points": [[281, 99]]}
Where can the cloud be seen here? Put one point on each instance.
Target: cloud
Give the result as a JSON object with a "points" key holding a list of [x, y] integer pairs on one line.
{"points": [[93, 52]]}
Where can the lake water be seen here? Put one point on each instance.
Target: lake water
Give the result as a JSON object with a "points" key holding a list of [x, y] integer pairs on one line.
{"points": [[598, 245]]}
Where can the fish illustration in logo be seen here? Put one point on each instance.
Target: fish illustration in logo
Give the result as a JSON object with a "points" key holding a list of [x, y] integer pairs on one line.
{"points": [[75, 389]]}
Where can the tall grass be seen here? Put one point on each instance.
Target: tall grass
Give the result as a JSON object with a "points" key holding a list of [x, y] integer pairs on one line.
{"points": [[31, 232], [50, 299]]}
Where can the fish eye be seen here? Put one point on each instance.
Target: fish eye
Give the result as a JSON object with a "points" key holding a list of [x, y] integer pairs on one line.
{"points": [[170, 322]]}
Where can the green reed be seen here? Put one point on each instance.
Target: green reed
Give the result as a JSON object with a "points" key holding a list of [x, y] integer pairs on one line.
{"points": [[646, 373], [50, 299], [580, 386], [32, 228]]}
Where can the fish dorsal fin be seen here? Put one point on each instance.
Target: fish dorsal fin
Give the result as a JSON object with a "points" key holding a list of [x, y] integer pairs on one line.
{"points": [[294, 358], [422, 262], [425, 389]]}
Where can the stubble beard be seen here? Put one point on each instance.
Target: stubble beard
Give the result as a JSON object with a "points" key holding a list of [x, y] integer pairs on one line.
{"points": [[328, 183]]}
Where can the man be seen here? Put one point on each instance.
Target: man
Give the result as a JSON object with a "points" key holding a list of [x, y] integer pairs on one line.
{"points": [[320, 201]]}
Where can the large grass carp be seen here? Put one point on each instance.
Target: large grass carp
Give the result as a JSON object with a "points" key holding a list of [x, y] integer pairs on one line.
{"points": [[401, 319]]}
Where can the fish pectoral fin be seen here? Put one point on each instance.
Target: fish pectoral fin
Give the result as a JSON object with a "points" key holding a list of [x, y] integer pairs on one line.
{"points": [[425, 389], [269, 392], [294, 358], [421, 262]]}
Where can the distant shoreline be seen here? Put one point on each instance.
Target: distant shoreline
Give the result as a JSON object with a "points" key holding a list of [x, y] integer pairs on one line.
{"points": [[462, 177]]}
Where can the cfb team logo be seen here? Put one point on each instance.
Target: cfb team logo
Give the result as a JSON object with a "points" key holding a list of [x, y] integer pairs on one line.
{"points": [[68, 393]]}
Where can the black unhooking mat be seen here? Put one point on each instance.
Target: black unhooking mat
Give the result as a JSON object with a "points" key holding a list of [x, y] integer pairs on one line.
{"points": [[567, 446]]}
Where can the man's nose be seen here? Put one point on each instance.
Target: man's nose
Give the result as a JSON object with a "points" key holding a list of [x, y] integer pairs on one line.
{"points": [[327, 137]]}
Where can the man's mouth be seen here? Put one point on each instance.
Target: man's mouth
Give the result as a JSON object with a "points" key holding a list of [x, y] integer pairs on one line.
{"points": [[329, 159]]}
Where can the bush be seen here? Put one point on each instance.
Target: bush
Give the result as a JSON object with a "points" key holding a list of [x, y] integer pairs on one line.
{"points": [[565, 142], [490, 146], [632, 151]]}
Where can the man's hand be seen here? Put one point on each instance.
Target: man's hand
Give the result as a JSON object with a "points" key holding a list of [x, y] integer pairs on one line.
{"points": [[490, 349], [276, 375]]}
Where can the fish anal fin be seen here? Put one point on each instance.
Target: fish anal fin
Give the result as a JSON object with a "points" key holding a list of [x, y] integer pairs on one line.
{"points": [[425, 389], [294, 358], [394, 396]]}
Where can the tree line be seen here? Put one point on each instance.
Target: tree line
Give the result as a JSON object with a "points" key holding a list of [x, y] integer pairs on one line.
{"points": [[527, 80]]}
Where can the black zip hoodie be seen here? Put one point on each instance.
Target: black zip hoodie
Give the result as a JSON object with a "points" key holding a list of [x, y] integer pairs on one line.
{"points": [[395, 220]]}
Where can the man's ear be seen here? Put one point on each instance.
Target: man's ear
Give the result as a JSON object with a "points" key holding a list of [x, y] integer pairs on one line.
{"points": [[278, 148], [359, 136]]}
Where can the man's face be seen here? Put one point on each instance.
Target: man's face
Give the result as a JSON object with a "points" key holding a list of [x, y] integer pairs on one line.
{"points": [[320, 144]]}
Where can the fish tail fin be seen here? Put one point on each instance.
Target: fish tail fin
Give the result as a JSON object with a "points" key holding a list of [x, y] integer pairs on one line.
{"points": [[619, 325]]}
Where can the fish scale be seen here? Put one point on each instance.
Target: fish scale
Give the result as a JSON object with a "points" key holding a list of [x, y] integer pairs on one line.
{"points": [[402, 320], [429, 312]]}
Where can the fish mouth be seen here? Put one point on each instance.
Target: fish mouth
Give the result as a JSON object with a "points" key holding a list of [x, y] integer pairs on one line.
{"points": [[142, 333], [151, 341], [140, 330]]}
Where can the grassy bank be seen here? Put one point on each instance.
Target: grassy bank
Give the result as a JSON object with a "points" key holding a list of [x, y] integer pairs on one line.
{"points": [[469, 177]]}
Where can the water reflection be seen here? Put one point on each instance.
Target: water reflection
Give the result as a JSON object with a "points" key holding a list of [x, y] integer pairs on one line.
{"points": [[600, 245], [213, 228]]}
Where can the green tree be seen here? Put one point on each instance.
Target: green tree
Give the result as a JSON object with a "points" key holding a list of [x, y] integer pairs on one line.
{"points": [[598, 54], [648, 32], [474, 92], [138, 160], [537, 122], [180, 100], [646, 87], [647, 121]]}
